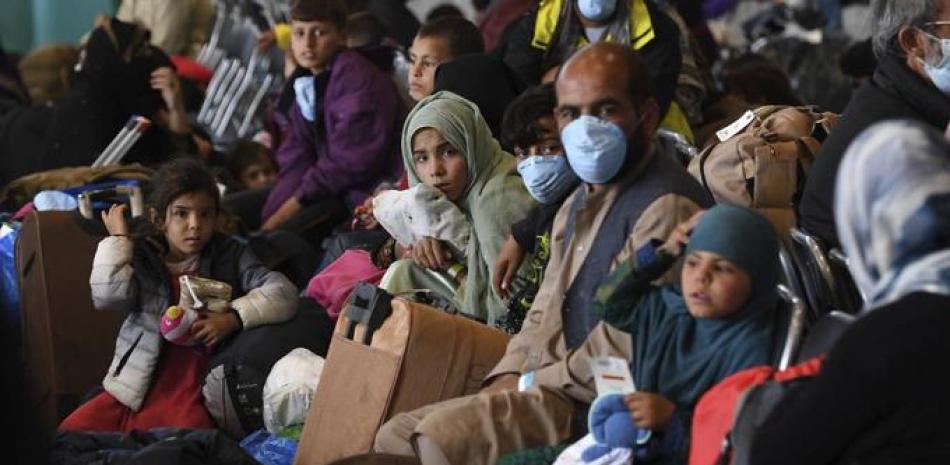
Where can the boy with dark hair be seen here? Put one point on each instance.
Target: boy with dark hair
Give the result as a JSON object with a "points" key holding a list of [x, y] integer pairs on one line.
{"points": [[252, 165], [341, 117], [438, 42]]}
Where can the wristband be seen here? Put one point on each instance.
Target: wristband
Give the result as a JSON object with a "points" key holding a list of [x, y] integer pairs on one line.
{"points": [[455, 270], [525, 381]]}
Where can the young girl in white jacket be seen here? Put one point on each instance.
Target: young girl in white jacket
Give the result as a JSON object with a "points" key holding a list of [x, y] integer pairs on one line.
{"points": [[152, 383]]}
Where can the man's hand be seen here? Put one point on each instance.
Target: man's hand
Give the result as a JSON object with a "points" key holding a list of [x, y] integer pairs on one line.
{"points": [[166, 81], [502, 383]]}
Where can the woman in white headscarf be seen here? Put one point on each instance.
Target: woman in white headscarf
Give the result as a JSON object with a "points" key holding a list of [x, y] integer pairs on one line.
{"points": [[882, 394]]}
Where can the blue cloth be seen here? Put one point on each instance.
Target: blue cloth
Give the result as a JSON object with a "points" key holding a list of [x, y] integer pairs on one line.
{"points": [[892, 209], [269, 449], [54, 201], [611, 425], [9, 290]]}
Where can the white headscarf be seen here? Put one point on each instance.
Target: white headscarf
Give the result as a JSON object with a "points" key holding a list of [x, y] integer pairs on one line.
{"points": [[892, 209]]}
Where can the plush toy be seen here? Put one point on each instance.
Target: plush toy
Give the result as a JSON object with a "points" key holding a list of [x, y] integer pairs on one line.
{"points": [[197, 295], [612, 426]]}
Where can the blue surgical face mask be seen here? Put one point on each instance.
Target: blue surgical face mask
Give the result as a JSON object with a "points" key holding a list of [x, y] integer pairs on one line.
{"points": [[597, 10], [548, 177], [595, 148], [306, 97], [940, 72]]}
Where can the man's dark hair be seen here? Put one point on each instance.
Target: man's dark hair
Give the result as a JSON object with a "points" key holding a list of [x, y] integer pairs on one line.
{"points": [[331, 11], [758, 81], [444, 10], [365, 28], [519, 125], [246, 153], [462, 36]]}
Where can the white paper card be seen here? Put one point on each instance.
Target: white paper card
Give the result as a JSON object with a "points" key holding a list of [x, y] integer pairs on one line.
{"points": [[735, 127], [611, 376]]}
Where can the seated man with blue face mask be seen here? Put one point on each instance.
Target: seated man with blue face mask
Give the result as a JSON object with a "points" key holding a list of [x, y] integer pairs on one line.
{"points": [[629, 194], [911, 40]]}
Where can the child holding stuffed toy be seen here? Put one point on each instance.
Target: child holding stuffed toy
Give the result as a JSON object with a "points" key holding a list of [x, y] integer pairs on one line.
{"points": [[152, 383], [687, 337]]}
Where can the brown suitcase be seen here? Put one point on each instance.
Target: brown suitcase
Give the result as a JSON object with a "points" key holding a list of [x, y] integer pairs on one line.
{"points": [[68, 344], [417, 356]]}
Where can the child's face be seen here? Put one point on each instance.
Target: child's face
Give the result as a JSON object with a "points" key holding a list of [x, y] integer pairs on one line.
{"points": [[189, 224], [713, 286], [425, 55], [548, 143], [259, 174], [314, 43], [439, 164]]}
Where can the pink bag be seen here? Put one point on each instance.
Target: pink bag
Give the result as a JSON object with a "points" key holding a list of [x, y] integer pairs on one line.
{"points": [[332, 286]]}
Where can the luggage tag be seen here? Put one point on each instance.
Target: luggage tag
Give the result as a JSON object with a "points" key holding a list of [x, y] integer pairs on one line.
{"points": [[735, 127], [612, 376]]}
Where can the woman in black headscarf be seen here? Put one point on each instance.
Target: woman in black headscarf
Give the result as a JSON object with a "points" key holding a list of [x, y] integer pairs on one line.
{"points": [[112, 84], [485, 81]]}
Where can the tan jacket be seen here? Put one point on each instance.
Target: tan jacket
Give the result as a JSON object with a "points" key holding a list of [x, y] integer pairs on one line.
{"points": [[179, 27], [540, 347]]}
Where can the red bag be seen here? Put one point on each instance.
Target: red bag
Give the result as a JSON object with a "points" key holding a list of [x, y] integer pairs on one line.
{"points": [[715, 414], [332, 286]]}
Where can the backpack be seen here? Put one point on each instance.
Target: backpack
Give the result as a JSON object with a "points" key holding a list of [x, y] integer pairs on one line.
{"points": [[728, 416], [234, 385], [760, 160]]}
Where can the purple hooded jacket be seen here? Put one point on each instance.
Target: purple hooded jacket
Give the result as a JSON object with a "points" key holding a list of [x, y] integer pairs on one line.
{"points": [[362, 118]]}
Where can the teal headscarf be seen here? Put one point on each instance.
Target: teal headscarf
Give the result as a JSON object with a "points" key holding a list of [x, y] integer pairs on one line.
{"points": [[680, 356], [494, 198]]}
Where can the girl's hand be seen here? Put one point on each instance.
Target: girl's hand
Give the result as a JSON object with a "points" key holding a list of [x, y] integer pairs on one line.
{"points": [[678, 239], [430, 253], [114, 220], [507, 264], [650, 411], [363, 216], [215, 327]]}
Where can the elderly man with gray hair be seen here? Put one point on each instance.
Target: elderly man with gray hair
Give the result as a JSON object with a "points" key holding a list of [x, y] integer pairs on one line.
{"points": [[912, 42]]}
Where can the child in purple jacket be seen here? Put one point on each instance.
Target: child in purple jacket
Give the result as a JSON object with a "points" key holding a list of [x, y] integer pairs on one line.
{"points": [[341, 133]]}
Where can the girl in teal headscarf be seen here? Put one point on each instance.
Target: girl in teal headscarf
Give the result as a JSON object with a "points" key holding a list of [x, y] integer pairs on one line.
{"points": [[688, 337], [447, 144]]}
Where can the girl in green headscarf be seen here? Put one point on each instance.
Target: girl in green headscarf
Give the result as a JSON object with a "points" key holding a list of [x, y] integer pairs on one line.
{"points": [[688, 337], [447, 144]]}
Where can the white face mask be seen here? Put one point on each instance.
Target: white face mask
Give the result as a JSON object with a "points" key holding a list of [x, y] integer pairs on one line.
{"points": [[940, 72], [597, 10]]}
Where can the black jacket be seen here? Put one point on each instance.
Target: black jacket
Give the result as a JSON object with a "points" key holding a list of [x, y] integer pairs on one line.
{"points": [[894, 92], [662, 55], [881, 397]]}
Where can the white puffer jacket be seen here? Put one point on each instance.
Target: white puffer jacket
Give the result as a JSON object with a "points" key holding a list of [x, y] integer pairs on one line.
{"points": [[130, 277]]}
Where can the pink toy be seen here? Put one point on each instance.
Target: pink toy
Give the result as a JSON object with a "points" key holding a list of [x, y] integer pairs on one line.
{"points": [[176, 325]]}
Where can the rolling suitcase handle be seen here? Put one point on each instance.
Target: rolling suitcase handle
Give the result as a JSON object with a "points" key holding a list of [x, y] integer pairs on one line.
{"points": [[133, 192], [369, 306]]}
